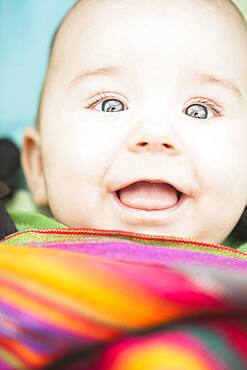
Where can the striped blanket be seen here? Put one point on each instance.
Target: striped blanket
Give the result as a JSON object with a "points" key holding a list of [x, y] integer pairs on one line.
{"points": [[107, 300]]}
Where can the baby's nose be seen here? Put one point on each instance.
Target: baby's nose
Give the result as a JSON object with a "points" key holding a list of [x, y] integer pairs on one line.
{"points": [[154, 138]]}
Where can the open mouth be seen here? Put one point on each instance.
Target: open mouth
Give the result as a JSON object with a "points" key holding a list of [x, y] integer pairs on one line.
{"points": [[149, 196]]}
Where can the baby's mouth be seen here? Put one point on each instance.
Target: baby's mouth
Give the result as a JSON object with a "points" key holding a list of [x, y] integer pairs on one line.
{"points": [[149, 196]]}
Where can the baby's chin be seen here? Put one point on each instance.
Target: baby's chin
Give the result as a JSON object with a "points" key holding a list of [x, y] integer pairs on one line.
{"points": [[174, 219], [173, 234]]}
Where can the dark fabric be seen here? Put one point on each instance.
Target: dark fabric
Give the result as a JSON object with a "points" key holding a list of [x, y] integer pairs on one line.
{"points": [[240, 231], [9, 167], [7, 225]]}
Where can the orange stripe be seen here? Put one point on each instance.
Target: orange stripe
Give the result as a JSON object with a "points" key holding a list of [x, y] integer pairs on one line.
{"points": [[24, 354]]}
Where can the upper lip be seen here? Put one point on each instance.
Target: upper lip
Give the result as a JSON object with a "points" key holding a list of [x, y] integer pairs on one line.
{"points": [[179, 188]]}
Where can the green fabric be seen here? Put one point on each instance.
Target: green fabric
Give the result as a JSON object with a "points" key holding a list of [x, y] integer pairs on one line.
{"points": [[233, 242], [30, 220], [243, 248]]}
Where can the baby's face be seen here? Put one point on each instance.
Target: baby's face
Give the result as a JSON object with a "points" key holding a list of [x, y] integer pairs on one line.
{"points": [[143, 121]]}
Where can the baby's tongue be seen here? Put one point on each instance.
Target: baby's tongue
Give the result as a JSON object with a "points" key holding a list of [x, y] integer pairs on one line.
{"points": [[148, 196]]}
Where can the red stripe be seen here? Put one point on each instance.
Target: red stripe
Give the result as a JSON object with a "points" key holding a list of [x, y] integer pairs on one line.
{"points": [[106, 233]]}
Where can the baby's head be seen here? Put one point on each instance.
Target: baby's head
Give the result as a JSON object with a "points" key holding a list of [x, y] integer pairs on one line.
{"points": [[142, 123]]}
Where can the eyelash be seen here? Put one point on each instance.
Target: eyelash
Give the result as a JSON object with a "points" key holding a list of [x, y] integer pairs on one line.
{"points": [[216, 108], [103, 95]]}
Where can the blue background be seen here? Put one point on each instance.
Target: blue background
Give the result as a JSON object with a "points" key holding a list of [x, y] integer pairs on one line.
{"points": [[26, 30]]}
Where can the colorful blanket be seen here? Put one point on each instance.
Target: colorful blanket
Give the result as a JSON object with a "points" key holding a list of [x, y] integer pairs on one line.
{"points": [[108, 300]]}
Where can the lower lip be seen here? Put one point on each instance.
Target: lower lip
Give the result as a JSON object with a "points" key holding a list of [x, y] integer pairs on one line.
{"points": [[147, 214]]}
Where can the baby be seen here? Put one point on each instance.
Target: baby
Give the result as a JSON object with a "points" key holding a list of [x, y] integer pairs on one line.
{"points": [[142, 120]]}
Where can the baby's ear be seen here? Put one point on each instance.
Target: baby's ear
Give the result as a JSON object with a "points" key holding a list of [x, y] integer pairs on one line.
{"points": [[32, 164]]}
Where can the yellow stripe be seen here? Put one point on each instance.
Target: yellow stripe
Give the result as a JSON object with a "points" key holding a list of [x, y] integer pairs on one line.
{"points": [[159, 357], [95, 291]]}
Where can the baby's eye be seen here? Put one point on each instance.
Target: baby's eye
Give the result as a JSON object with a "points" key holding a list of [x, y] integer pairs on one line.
{"points": [[110, 105], [198, 111]]}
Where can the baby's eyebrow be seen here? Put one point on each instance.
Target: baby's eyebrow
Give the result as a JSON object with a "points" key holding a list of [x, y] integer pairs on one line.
{"points": [[201, 77], [206, 78], [101, 71]]}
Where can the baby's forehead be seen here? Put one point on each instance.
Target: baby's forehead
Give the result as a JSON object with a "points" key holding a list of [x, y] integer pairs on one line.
{"points": [[84, 8], [76, 46], [210, 35]]}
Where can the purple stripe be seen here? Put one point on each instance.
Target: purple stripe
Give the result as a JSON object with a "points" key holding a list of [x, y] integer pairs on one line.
{"points": [[35, 333], [127, 251]]}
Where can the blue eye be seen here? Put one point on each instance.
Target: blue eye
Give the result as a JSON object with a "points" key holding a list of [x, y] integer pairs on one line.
{"points": [[197, 111], [111, 105]]}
